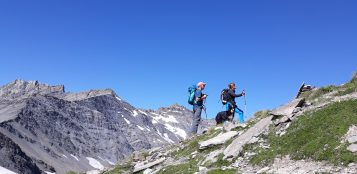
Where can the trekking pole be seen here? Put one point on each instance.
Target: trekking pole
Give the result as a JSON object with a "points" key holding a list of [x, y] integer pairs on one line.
{"points": [[245, 105], [204, 109]]}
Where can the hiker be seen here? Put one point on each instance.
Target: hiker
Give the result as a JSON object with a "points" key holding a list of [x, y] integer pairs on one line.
{"points": [[199, 97], [231, 103]]}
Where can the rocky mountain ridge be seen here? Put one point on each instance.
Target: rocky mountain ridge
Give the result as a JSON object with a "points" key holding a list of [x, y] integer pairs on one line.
{"points": [[87, 131]]}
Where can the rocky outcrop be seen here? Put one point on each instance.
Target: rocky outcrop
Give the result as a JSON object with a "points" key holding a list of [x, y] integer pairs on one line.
{"points": [[22, 89], [139, 167], [303, 88], [14, 159], [286, 165], [288, 109], [219, 139], [236, 146], [88, 94], [351, 138]]}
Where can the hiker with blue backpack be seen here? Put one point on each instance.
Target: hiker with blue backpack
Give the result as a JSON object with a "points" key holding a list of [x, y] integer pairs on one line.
{"points": [[228, 99], [196, 98]]}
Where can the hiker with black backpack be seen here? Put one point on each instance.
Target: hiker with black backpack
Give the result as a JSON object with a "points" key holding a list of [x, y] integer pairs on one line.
{"points": [[228, 99], [196, 98]]}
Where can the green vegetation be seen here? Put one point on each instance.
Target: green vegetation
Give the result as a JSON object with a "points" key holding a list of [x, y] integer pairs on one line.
{"points": [[189, 167], [121, 168], [219, 171], [257, 117], [316, 135], [251, 122], [221, 162], [71, 172], [192, 145], [349, 87], [261, 114], [314, 94]]}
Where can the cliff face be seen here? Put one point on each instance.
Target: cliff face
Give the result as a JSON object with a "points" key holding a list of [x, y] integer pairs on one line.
{"points": [[85, 131], [13, 158]]}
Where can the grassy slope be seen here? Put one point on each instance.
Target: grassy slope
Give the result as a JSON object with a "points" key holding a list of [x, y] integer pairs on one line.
{"points": [[191, 166], [347, 88], [315, 135]]}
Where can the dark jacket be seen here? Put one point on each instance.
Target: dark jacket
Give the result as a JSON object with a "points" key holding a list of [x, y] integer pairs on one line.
{"points": [[231, 97]]}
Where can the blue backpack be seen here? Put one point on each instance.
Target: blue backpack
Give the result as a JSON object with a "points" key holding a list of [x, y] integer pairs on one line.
{"points": [[191, 94]]}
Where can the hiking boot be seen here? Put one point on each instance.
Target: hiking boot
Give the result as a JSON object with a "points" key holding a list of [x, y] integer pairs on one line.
{"points": [[243, 125]]}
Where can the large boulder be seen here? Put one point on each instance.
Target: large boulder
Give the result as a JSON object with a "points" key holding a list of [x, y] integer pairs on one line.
{"points": [[237, 145], [288, 109], [139, 167], [304, 88], [219, 139]]}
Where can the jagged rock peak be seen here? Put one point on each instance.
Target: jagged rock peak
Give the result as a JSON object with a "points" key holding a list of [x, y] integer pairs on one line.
{"points": [[22, 87], [89, 94], [175, 107]]}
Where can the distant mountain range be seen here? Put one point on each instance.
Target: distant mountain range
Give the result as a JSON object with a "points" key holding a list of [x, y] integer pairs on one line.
{"points": [[44, 129]]}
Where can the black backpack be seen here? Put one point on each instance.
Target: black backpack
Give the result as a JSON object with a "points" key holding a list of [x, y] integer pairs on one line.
{"points": [[224, 96]]}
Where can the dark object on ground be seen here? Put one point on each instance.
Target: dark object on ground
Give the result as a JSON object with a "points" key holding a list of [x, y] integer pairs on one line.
{"points": [[223, 116]]}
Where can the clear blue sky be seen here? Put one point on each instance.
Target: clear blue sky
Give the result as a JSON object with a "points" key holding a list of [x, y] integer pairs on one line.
{"points": [[149, 52]]}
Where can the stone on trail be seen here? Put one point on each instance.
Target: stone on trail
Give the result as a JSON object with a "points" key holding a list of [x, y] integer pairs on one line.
{"points": [[289, 108], [141, 167], [236, 146], [219, 139], [352, 148]]}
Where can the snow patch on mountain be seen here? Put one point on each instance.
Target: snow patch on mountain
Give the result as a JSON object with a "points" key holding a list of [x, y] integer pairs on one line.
{"points": [[118, 98], [74, 157], [166, 137], [177, 131], [143, 112], [127, 121], [170, 118], [101, 158], [141, 128], [135, 113], [110, 162], [6, 171], [94, 163]]}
